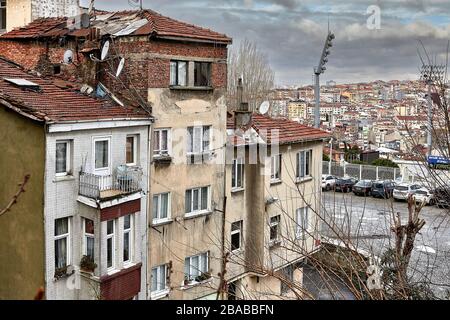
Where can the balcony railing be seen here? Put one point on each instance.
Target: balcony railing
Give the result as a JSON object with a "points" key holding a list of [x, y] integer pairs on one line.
{"points": [[123, 181]]}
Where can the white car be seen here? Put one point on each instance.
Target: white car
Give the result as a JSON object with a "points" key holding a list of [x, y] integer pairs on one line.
{"points": [[425, 196], [328, 182], [403, 190]]}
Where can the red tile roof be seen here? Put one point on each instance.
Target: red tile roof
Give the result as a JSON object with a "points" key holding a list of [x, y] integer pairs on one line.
{"points": [[283, 130], [157, 26], [51, 103]]}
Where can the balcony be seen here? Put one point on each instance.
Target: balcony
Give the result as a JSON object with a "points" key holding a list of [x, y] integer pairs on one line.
{"points": [[124, 181]]}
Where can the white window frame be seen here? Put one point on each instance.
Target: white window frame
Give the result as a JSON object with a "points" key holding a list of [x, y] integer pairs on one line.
{"points": [[234, 172], [135, 138], [106, 170], [299, 164], [158, 219], [301, 230], [201, 257], [68, 242], [111, 236], [68, 171], [192, 138], [238, 231], [161, 153], [87, 236], [130, 232], [200, 210], [275, 167], [161, 281]]}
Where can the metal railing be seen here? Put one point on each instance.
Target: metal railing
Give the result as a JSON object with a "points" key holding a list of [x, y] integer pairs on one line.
{"points": [[122, 182], [360, 172]]}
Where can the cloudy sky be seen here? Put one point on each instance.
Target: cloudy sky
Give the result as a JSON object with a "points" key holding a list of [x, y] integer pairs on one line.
{"points": [[292, 33]]}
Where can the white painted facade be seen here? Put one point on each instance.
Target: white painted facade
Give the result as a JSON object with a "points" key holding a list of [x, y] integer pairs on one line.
{"points": [[61, 200]]}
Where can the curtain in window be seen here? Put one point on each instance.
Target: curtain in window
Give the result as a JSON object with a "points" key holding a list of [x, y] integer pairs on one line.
{"points": [[61, 157], [204, 265], [130, 150], [182, 73], [197, 139], [187, 269], [195, 204], [206, 131], [156, 142], [173, 73], [164, 141], [302, 164], [195, 266], [154, 279], [61, 253], [190, 140], [126, 246], [90, 247]]}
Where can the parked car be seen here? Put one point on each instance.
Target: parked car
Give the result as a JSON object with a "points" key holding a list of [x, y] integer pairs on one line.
{"points": [[423, 195], [403, 190], [363, 188], [382, 189], [345, 184], [328, 182], [442, 197]]}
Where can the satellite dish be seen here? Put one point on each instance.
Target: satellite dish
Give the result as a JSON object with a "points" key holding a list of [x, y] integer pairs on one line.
{"points": [[264, 107], [85, 21], [120, 67], [105, 50], [68, 57]]}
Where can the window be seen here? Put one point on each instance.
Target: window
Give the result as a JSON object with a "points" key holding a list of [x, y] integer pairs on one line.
{"points": [[110, 244], [161, 142], [304, 164], [131, 150], [127, 238], [288, 278], [196, 268], [302, 223], [198, 139], [237, 174], [236, 235], [2, 15], [275, 169], [62, 243], [197, 200], [274, 228], [159, 279], [89, 238], [160, 207], [178, 73], [202, 74], [101, 153], [63, 163]]}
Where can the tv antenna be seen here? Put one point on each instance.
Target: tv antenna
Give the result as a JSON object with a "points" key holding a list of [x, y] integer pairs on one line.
{"points": [[135, 3]]}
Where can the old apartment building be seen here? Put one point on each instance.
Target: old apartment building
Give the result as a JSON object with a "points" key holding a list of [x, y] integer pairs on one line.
{"points": [[80, 229], [178, 72], [273, 200]]}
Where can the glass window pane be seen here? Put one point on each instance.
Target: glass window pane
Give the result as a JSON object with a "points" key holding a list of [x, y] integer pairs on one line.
{"points": [[154, 279], [90, 247], [307, 160], [61, 226], [190, 140], [173, 73], [233, 174], [197, 139], [110, 227], [101, 154], [157, 142], [188, 201], [61, 157], [164, 141], [195, 204], [302, 164], [205, 198], [126, 246], [61, 253], [127, 222], [182, 73], [195, 266], [206, 131], [187, 268], [109, 252], [164, 205], [155, 207], [204, 266], [130, 149]]}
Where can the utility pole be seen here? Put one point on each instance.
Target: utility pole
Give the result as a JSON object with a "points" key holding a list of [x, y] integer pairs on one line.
{"points": [[317, 72], [431, 74]]}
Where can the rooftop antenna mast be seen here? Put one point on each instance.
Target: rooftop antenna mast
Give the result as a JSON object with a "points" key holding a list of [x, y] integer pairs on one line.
{"points": [[135, 3]]}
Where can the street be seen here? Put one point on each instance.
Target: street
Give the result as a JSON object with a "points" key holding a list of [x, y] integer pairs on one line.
{"points": [[367, 222]]}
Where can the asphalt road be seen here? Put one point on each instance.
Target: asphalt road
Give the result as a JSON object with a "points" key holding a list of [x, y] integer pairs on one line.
{"points": [[367, 222]]}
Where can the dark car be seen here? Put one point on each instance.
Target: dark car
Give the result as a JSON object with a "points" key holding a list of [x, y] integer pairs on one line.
{"points": [[363, 188], [442, 197], [345, 184], [382, 189]]}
